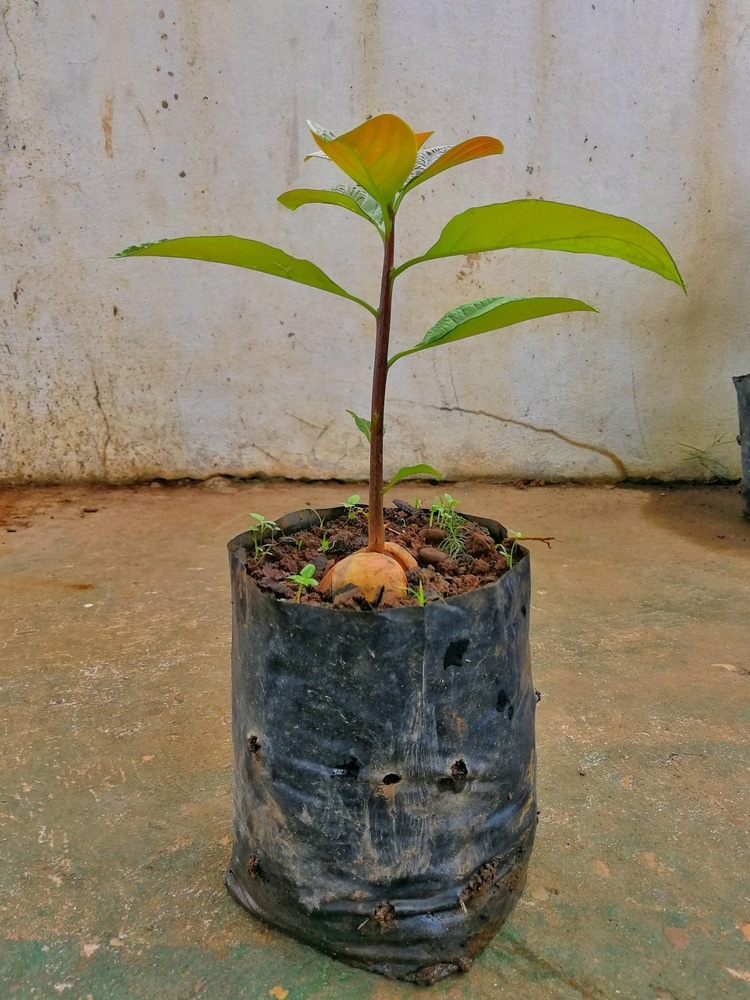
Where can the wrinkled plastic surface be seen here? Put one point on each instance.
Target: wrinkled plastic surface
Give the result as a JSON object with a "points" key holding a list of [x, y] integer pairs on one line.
{"points": [[742, 384], [384, 800]]}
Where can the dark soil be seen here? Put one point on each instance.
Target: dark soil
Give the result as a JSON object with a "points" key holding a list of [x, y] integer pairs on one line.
{"points": [[440, 573]]}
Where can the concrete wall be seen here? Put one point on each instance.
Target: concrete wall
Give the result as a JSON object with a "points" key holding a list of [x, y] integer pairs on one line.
{"points": [[131, 120]]}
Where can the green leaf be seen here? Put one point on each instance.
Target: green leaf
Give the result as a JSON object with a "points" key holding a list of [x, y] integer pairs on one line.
{"points": [[349, 196], [485, 315], [547, 225], [378, 155], [245, 253], [362, 424], [412, 470]]}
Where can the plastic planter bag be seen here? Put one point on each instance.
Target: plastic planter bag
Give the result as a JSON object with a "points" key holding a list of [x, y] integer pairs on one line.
{"points": [[384, 789]]}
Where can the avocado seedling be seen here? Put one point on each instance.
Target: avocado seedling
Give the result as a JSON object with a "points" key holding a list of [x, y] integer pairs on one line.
{"points": [[384, 161]]}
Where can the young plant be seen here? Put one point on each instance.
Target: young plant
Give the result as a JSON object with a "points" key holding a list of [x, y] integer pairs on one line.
{"points": [[509, 551], [264, 525], [260, 531], [418, 594], [304, 579], [350, 506], [384, 161], [443, 513]]}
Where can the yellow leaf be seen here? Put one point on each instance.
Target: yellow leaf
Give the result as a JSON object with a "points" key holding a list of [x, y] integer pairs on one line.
{"points": [[463, 152], [378, 155], [279, 992], [422, 138]]}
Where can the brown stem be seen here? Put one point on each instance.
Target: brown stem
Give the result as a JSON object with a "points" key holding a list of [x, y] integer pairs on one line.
{"points": [[376, 524]]}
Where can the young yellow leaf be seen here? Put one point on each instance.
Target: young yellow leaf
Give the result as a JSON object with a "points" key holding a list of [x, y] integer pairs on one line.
{"points": [[463, 152], [378, 155]]}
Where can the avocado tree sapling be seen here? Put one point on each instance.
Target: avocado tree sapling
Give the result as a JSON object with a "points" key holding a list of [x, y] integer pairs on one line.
{"points": [[384, 161]]}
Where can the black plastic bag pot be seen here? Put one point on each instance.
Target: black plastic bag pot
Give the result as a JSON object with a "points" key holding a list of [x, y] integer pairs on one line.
{"points": [[384, 792], [742, 385]]}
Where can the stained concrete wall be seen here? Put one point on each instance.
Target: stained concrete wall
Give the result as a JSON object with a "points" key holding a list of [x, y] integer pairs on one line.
{"points": [[127, 121]]}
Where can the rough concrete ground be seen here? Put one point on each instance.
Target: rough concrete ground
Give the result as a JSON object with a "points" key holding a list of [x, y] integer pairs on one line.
{"points": [[115, 777]]}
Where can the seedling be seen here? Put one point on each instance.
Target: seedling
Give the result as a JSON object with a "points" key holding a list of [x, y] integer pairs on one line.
{"points": [[263, 529], [443, 513], [384, 161], [418, 594], [718, 471], [510, 551], [325, 543], [321, 519], [351, 506], [304, 579], [264, 526]]}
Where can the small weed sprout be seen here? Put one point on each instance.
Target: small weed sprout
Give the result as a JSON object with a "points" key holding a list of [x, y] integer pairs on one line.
{"points": [[510, 551], [321, 519], [325, 543], [443, 514], [418, 594], [304, 579], [259, 532], [263, 524], [709, 458], [351, 506]]}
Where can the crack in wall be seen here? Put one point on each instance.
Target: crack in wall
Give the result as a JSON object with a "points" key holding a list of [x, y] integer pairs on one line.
{"points": [[638, 415], [107, 431], [6, 12], [614, 459]]}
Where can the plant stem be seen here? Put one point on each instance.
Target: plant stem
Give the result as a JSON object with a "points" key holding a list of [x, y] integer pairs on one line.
{"points": [[376, 523]]}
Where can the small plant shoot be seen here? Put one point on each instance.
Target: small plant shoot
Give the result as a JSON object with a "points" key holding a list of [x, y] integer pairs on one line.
{"points": [[350, 506], [304, 579], [384, 160], [262, 533]]}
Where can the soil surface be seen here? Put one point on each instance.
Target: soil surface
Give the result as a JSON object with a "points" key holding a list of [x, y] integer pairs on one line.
{"points": [[450, 562]]}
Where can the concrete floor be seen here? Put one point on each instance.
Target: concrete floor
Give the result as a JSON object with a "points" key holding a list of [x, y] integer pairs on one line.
{"points": [[115, 770]]}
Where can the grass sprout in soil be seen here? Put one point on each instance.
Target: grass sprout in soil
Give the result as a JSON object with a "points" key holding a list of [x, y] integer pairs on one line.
{"points": [[451, 556]]}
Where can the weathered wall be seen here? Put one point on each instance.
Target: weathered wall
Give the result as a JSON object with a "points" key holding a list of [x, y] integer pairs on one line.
{"points": [[123, 122]]}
